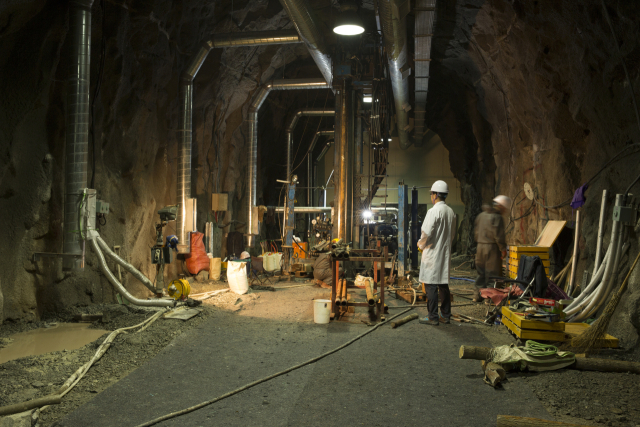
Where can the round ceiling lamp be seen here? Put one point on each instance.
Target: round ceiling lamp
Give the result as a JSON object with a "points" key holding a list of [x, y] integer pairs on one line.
{"points": [[348, 23]]}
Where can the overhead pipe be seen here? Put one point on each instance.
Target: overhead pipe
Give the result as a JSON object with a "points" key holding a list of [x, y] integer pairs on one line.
{"points": [[320, 209], [393, 17], [316, 112], [310, 162], [250, 38], [308, 26], [121, 289], [423, 34], [77, 129], [252, 170]]}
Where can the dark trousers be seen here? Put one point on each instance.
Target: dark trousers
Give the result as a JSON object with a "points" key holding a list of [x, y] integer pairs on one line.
{"points": [[481, 282], [432, 301]]}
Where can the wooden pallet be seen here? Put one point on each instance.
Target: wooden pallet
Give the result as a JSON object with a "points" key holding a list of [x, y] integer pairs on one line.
{"points": [[574, 329]]}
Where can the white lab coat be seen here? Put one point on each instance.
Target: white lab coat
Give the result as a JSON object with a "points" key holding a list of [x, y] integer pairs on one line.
{"points": [[438, 232]]}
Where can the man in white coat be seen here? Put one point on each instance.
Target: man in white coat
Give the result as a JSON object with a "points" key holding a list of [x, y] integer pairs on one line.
{"points": [[438, 232]]}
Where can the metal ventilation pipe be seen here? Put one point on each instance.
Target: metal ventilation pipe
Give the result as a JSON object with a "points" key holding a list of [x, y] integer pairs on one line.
{"points": [[393, 15], [77, 128], [252, 38], [307, 24], [252, 170], [310, 182], [425, 14], [343, 162], [292, 125]]}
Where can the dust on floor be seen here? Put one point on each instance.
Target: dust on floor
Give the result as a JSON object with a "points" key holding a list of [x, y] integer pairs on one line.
{"points": [[588, 398]]}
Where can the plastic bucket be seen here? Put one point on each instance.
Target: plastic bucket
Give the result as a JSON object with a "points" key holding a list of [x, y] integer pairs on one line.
{"points": [[321, 310]]}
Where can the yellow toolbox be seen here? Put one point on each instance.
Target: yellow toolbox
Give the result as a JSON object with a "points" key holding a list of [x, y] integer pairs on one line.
{"points": [[532, 329], [541, 248]]}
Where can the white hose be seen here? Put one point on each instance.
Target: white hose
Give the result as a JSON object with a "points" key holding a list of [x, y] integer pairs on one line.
{"points": [[597, 302], [587, 293], [130, 268], [601, 293], [121, 289]]}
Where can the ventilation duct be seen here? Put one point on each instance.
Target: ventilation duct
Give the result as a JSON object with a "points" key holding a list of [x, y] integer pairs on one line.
{"points": [[343, 162], [252, 169], [393, 15], [77, 129], [307, 24], [425, 18], [186, 110], [318, 112], [310, 182]]}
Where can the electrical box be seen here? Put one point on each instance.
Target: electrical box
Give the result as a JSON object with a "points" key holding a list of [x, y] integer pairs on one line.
{"points": [[624, 214], [219, 202], [102, 207], [161, 252]]}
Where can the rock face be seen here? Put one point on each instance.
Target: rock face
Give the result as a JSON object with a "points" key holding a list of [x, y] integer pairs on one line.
{"points": [[534, 91], [134, 96]]}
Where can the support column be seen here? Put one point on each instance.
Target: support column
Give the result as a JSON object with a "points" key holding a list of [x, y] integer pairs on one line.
{"points": [[403, 232], [415, 228], [343, 159]]}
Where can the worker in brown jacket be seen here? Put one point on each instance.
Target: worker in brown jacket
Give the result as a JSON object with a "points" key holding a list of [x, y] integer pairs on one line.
{"points": [[492, 245]]}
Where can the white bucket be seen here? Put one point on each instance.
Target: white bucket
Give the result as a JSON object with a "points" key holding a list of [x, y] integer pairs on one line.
{"points": [[321, 310]]}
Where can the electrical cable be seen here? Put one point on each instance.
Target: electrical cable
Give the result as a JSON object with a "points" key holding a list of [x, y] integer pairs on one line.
{"points": [[270, 377]]}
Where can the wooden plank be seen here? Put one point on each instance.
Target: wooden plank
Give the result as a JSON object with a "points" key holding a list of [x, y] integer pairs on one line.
{"points": [[530, 334], [523, 323], [575, 329], [550, 233], [528, 248]]}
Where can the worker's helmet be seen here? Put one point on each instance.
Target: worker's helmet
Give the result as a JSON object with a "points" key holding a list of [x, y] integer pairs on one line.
{"points": [[503, 201], [440, 187]]}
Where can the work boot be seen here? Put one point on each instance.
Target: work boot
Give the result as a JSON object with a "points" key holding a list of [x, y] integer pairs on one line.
{"points": [[427, 321], [446, 321]]}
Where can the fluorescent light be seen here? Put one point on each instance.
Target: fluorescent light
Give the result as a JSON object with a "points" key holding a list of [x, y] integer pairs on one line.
{"points": [[367, 98], [348, 30]]}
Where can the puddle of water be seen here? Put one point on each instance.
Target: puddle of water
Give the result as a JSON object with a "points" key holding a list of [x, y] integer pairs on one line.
{"points": [[68, 336]]}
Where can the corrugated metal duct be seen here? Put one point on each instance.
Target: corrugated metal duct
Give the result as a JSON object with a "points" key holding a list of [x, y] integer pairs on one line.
{"points": [[306, 22], [77, 128], [393, 16], [253, 38], [318, 112], [425, 19], [310, 182], [252, 170]]}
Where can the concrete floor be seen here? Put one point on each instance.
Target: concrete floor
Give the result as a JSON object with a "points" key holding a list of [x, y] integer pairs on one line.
{"points": [[392, 377]]}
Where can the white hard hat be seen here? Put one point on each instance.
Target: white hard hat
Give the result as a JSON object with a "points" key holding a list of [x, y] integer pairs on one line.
{"points": [[503, 201], [440, 187]]}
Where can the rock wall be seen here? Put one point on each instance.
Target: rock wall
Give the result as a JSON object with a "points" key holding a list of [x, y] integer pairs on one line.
{"points": [[534, 91], [135, 116]]}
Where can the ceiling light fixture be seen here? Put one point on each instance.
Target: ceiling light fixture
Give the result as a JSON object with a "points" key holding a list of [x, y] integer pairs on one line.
{"points": [[348, 23], [367, 98]]}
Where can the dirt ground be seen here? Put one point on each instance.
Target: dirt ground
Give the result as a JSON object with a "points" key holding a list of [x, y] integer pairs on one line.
{"points": [[589, 398]]}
